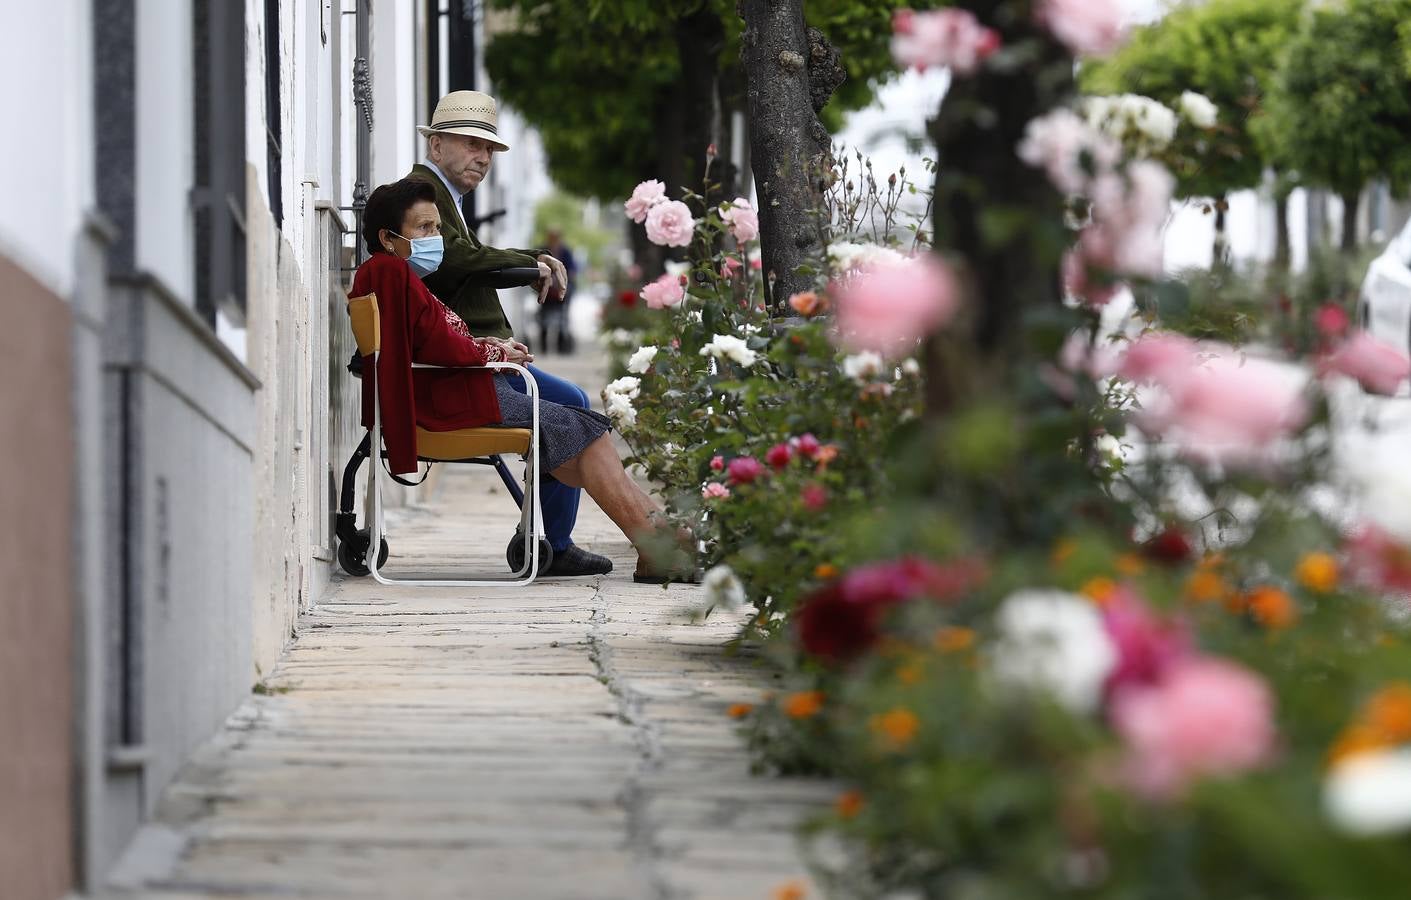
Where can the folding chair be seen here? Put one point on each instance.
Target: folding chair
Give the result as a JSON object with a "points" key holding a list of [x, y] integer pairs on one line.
{"points": [[365, 551]]}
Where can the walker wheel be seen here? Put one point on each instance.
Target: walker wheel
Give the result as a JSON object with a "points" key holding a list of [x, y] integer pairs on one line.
{"points": [[514, 554], [352, 555]]}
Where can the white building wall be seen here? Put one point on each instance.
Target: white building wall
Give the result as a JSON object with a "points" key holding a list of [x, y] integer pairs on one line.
{"points": [[165, 154], [46, 182]]}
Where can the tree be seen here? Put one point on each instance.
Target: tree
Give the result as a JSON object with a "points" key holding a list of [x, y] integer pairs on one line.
{"points": [[1340, 114], [1227, 50]]}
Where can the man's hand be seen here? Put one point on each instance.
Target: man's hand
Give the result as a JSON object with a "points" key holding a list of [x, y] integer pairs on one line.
{"points": [[559, 282], [546, 279]]}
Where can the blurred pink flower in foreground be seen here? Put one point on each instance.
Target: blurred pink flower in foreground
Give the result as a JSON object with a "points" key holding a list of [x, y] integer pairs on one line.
{"points": [[886, 306], [644, 197], [665, 291], [741, 218], [1086, 27], [1148, 645], [1331, 320], [1205, 717], [1068, 149], [1158, 356], [669, 224], [744, 469], [1378, 367], [1377, 561], [951, 38]]}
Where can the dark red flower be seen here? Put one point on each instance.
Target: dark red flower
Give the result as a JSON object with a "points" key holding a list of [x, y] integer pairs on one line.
{"points": [[779, 456], [843, 620], [627, 299], [1147, 644], [1171, 546]]}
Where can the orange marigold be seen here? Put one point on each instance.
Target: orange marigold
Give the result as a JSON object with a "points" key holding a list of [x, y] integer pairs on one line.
{"points": [[1205, 586], [953, 639], [793, 890], [825, 571], [1354, 740], [1272, 606], [740, 710], [911, 673], [1317, 572], [898, 726], [803, 704], [848, 804], [1388, 712], [1129, 564], [1100, 590]]}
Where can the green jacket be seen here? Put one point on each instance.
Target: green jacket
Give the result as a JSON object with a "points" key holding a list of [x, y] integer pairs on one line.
{"points": [[465, 257]]}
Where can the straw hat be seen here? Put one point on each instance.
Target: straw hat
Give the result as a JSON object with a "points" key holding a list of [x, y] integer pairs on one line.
{"points": [[465, 112]]}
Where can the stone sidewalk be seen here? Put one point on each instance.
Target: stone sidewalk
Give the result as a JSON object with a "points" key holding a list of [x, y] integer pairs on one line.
{"points": [[566, 740]]}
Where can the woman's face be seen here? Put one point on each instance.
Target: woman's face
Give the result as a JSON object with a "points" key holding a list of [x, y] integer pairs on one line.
{"points": [[422, 220]]}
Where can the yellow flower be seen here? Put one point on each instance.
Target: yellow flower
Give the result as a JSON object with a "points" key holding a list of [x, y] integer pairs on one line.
{"points": [[953, 639], [1273, 607], [740, 710], [898, 726], [803, 704], [1317, 572], [1100, 590], [848, 804]]}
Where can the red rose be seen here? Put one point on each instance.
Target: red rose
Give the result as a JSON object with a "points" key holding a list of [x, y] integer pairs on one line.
{"points": [[1331, 320], [1170, 546], [627, 298], [815, 497], [779, 456], [808, 445]]}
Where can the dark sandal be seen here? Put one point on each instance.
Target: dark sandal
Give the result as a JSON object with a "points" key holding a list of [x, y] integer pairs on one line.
{"points": [[695, 576]]}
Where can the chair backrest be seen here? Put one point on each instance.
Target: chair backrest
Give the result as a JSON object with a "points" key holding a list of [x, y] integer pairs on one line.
{"points": [[367, 326]]}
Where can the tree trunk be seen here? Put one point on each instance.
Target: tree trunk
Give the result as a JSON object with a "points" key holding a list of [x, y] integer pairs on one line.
{"points": [[700, 37], [1351, 205], [1220, 253], [1007, 272], [1283, 246], [790, 71]]}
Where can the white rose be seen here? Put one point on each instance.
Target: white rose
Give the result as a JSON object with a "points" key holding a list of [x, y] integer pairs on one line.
{"points": [[1201, 111], [620, 410], [723, 588], [1370, 793], [727, 346], [910, 367], [1055, 642], [628, 386], [641, 361], [862, 366]]}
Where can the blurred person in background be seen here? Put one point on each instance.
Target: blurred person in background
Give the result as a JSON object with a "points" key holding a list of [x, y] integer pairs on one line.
{"points": [[553, 313]]}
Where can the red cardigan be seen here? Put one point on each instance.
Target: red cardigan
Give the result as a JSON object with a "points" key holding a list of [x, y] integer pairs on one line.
{"points": [[416, 327]]}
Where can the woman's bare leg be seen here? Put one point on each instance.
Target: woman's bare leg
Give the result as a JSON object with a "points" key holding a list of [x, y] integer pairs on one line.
{"points": [[599, 471]]}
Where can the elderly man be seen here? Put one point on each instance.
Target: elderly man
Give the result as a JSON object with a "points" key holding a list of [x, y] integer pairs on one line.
{"points": [[461, 142]]}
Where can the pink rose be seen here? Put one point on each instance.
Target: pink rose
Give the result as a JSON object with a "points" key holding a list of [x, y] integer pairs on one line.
{"points": [[744, 469], [741, 218], [1159, 356], [779, 456], [1147, 644], [1206, 717], [951, 38], [1331, 320], [1060, 142], [729, 266], [715, 491], [886, 306], [814, 497], [665, 291], [807, 444], [1086, 27], [717, 463], [669, 224], [1378, 367], [1097, 361], [1227, 410], [644, 197]]}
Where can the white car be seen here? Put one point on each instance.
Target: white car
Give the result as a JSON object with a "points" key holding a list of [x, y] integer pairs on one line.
{"points": [[1384, 308]]}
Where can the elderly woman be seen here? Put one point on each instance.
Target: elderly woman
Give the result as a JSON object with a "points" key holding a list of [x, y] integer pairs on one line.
{"points": [[401, 228]]}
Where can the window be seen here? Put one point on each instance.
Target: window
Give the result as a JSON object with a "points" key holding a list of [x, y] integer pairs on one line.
{"points": [[273, 122], [218, 194]]}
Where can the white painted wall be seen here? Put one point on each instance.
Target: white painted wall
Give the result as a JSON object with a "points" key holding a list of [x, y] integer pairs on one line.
{"points": [[46, 67], [165, 151]]}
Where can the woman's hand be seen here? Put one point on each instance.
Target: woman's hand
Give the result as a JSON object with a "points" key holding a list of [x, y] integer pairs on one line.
{"points": [[514, 351]]}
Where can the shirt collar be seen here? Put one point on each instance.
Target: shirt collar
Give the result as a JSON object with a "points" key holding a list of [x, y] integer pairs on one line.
{"points": [[455, 194]]}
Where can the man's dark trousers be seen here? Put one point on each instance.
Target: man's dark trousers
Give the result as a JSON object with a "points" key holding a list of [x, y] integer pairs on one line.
{"points": [[560, 501]]}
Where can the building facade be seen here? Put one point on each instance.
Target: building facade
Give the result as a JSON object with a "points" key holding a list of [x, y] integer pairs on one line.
{"points": [[181, 187]]}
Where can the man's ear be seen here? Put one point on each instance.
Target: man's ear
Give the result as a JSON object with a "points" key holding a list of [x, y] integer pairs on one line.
{"points": [[433, 146]]}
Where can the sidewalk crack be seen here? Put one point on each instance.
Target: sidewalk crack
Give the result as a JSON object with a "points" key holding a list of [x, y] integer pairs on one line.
{"points": [[634, 798]]}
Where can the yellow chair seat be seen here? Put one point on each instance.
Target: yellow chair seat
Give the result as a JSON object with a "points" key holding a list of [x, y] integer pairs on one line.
{"points": [[468, 443]]}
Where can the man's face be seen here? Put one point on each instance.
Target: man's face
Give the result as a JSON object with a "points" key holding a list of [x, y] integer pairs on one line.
{"points": [[464, 159]]}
